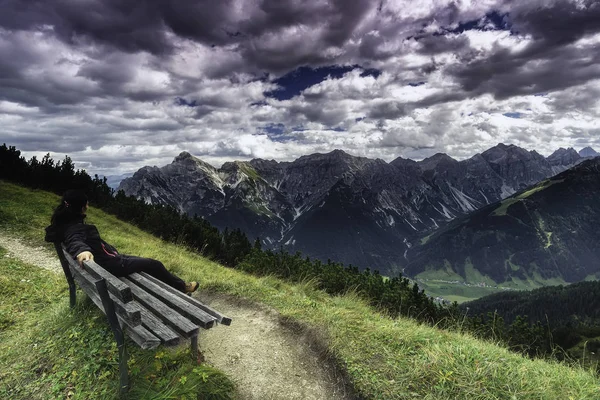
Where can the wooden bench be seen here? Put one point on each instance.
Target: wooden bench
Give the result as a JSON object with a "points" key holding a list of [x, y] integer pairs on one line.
{"points": [[147, 310]]}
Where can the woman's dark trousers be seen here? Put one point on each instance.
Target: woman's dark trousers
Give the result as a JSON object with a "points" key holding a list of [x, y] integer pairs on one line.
{"points": [[131, 264]]}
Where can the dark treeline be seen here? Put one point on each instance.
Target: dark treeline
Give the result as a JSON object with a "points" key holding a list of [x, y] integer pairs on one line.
{"points": [[561, 316], [555, 305], [395, 296]]}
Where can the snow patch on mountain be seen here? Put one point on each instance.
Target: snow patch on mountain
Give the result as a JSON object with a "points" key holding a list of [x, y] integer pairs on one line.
{"points": [[506, 191], [463, 201]]}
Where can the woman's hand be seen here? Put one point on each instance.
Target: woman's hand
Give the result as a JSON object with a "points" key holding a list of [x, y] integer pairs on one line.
{"points": [[84, 256]]}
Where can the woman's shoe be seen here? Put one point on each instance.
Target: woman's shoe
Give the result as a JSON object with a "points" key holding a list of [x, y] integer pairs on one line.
{"points": [[191, 287]]}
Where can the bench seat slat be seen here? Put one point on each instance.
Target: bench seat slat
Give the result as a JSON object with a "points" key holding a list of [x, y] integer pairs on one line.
{"points": [[168, 296], [166, 335], [182, 325], [222, 319], [115, 286], [141, 336]]}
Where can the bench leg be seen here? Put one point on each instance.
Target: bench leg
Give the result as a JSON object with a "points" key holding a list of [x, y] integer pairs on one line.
{"points": [[109, 309], [194, 348], [124, 375], [65, 266], [72, 295]]}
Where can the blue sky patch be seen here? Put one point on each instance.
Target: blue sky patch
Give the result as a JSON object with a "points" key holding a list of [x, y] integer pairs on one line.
{"points": [[300, 79], [180, 101], [274, 129], [370, 72], [512, 114], [497, 21], [276, 132]]}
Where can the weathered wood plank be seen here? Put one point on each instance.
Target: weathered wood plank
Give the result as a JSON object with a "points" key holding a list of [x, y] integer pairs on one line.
{"points": [[166, 335], [169, 296], [222, 319], [115, 286], [127, 311], [179, 323], [140, 335]]}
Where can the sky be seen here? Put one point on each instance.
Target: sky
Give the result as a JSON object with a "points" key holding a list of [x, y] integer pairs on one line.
{"points": [[117, 85]]}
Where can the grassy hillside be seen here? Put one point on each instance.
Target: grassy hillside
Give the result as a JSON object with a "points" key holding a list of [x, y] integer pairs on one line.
{"points": [[384, 358]]}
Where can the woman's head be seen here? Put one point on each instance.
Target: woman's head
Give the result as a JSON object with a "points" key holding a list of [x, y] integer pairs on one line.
{"points": [[72, 207]]}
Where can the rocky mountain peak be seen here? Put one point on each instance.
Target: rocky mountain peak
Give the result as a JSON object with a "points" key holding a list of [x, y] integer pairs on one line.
{"points": [[439, 159], [186, 159], [564, 156], [305, 203], [184, 155], [588, 152], [501, 152]]}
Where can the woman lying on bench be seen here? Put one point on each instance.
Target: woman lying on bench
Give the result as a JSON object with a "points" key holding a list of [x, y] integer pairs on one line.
{"points": [[84, 240]]}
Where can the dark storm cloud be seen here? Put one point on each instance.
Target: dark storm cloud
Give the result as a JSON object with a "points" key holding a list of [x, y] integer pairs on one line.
{"points": [[559, 24], [130, 26], [111, 72], [550, 62], [145, 25]]}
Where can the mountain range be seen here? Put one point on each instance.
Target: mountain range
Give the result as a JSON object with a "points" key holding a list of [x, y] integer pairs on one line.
{"points": [[355, 210]]}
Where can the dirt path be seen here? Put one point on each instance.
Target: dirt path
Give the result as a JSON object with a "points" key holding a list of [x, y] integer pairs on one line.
{"points": [[32, 255], [266, 359]]}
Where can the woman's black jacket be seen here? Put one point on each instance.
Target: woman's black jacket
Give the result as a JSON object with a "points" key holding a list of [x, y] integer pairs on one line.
{"points": [[79, 237]]}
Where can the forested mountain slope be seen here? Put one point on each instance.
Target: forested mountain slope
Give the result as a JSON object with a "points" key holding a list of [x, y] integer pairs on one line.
{"points": [[547, 233], [578, 303]]}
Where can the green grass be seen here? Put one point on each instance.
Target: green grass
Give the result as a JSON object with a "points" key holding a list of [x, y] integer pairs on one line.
{"points": [[540, 186], [500, 211], [474, 276], [248, 170], [384, 358], [447, 273], [456, 291], [426, 239]]}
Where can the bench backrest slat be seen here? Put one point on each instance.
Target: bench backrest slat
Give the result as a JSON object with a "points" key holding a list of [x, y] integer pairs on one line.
{"points": [[127, 311], [169, 296], [222, 319], [182, 325], [115, 286], [140, 335]]}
